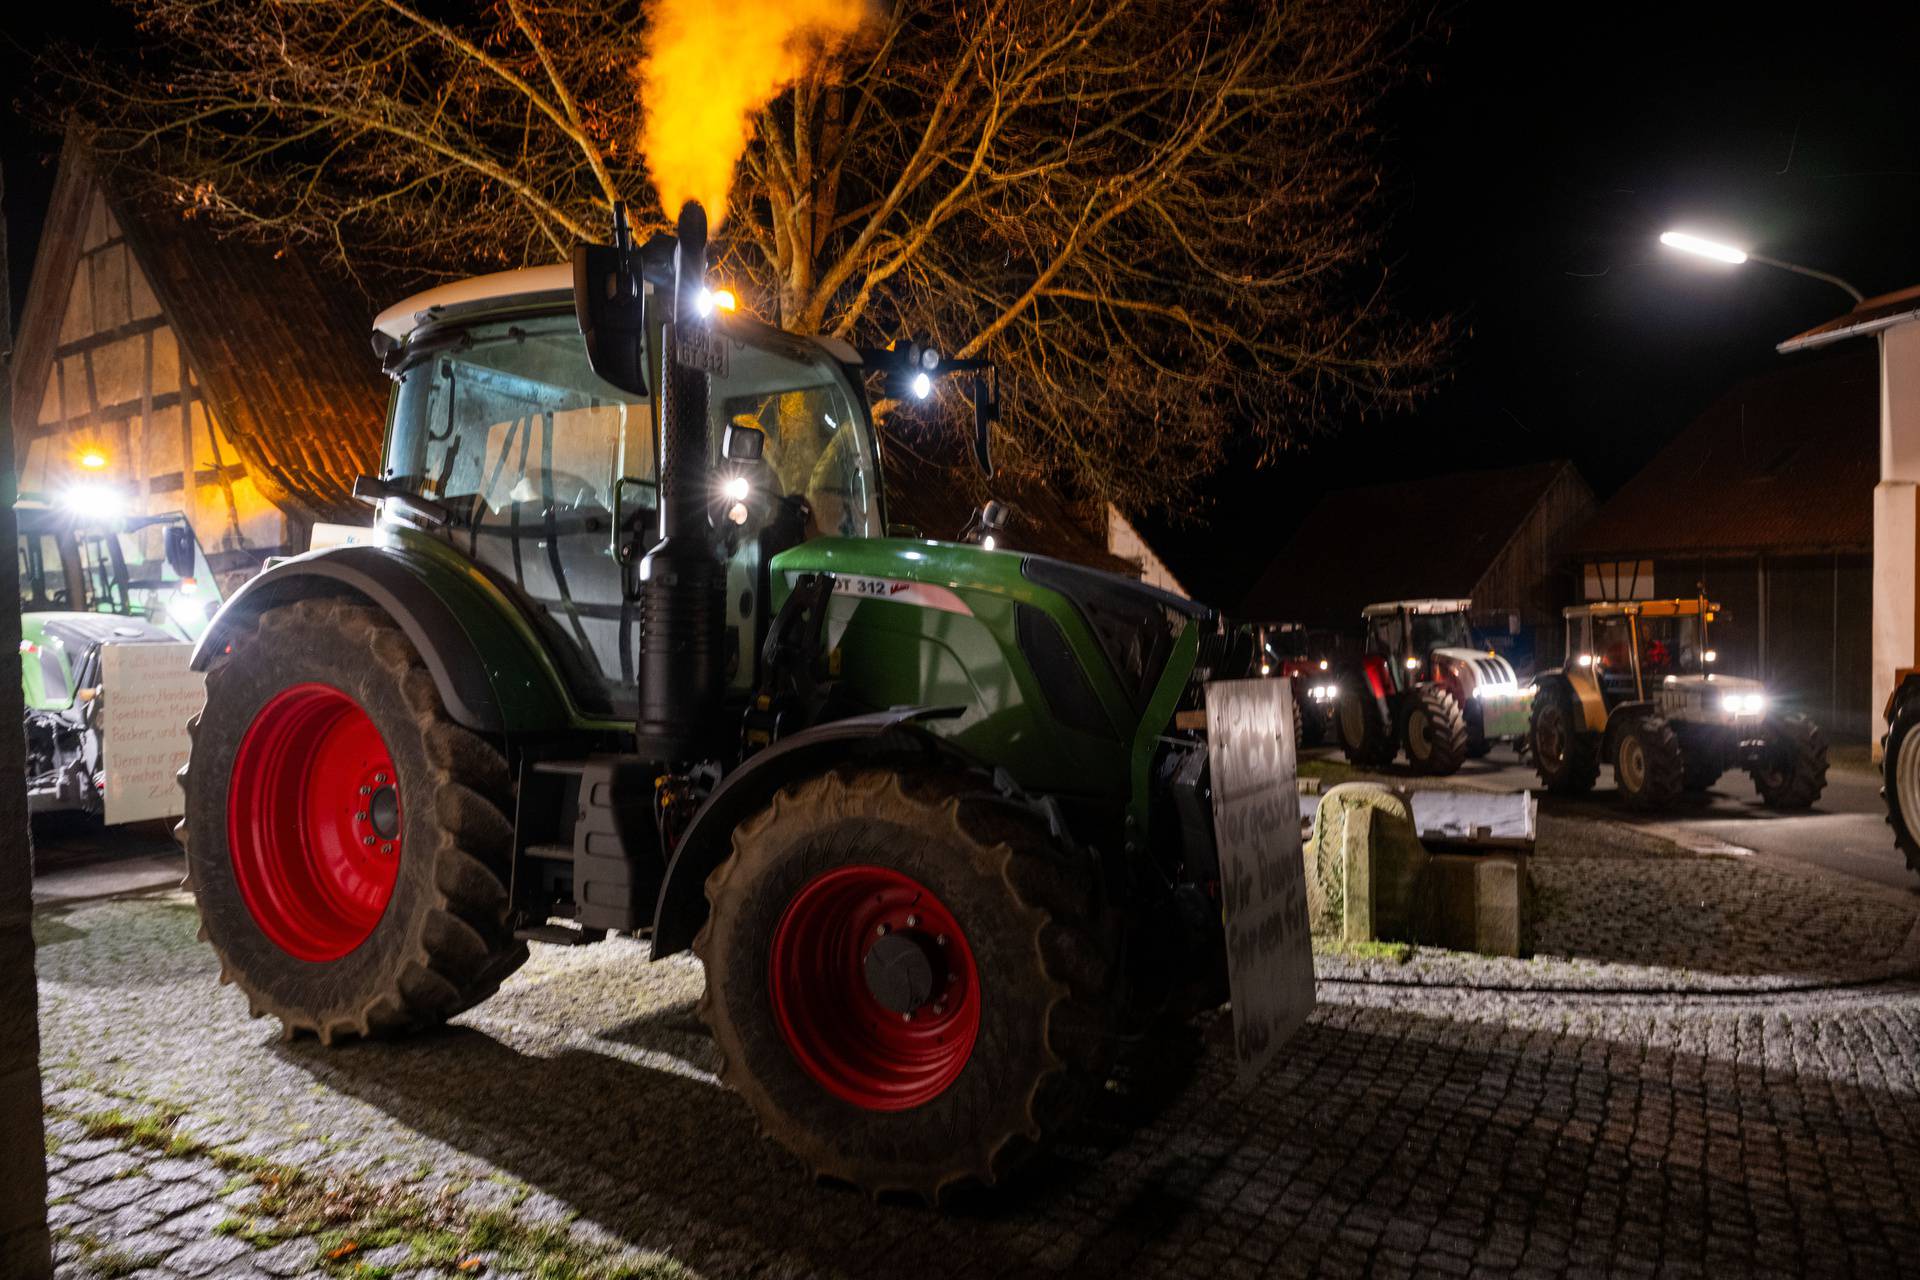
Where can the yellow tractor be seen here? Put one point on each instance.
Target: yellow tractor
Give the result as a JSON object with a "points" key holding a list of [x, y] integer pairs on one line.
{"points": [[1641, 689]]}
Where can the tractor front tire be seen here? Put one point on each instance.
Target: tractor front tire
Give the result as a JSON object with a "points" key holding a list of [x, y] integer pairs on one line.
{"points": [[1566, 757], [1703, 770], [911, 981], [1648, 766], [1794, 772], [1433, 730], [1902, 774], [1365, 735], [345, 839]]}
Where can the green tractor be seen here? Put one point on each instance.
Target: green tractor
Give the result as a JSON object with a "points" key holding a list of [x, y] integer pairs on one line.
{"points": [[1642, 688], [630, 650], [91, 578]]}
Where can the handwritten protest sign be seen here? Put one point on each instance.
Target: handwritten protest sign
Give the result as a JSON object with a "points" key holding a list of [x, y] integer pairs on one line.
{"points": [[1263, 883], [149, 696]]}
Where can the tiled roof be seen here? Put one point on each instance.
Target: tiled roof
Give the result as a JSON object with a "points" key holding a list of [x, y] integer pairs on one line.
{"points": [[280, 345], [1783, 463], [1418, 538]]}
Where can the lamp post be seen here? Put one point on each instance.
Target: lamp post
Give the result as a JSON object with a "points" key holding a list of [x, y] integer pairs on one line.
{"points": [[1704, 248]]}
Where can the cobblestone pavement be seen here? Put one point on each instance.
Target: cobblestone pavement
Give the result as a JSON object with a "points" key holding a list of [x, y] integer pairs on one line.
{"points": [[1711, 1069]]}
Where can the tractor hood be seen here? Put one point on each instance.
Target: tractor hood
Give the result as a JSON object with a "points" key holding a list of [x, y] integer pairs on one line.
{"points": [[1476, 668]]}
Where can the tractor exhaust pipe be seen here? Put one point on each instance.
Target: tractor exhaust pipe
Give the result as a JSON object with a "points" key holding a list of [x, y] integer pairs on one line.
{"points": [[681, 580]]}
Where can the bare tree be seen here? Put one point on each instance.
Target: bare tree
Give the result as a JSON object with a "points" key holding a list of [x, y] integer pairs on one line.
{"points": [[1161, 217]]}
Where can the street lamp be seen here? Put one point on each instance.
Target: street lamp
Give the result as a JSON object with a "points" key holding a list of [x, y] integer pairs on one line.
{"points": [[1704, 248]]}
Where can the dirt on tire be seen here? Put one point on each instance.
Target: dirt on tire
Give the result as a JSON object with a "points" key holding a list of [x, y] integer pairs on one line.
{"points": [[443, 942], [1045, 947]]}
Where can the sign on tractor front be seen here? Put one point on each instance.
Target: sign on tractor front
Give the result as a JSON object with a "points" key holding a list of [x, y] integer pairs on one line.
{"points": [[150, 695], [1263, 882]]}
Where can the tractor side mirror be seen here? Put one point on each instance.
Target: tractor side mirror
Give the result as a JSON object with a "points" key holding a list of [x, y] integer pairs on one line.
{"points": [[743, 443], [180, 551], [986, 411], [610, 301]]}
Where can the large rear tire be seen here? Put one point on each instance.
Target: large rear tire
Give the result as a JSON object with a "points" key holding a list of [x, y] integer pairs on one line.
{"points": [[1365, 735], [911, 981], [1566, 757], [1794, 772], [1433, 730], [1902, 773], [1648, 765], [345, 839]]}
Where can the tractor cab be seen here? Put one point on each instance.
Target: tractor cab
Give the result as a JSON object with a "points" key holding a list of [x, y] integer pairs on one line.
{"points": [[1411, 635], [1642, 650], [81, 558]]}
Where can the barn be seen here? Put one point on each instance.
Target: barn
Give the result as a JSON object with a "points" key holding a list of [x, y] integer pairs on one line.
{"points": [[1496, 536], [171, 369], [1765, 502]]}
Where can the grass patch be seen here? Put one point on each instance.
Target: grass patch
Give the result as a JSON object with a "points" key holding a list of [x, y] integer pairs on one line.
{"points": [[101, 1260], [49, 931], [1390, 952], [348, 1218]]}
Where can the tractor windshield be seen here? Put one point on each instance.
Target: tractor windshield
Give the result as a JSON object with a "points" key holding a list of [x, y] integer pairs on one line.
{"points": [[1441, 631], [119, 567], [1671, 646]]}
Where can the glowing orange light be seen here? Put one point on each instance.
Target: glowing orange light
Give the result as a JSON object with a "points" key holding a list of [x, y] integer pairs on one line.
{"points": [[93, 459]]}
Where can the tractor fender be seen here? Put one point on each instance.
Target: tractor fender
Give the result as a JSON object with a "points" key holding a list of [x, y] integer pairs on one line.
{"points": [[682, 905], [1619, 719], [489, 677], [1906, 684], [1584, 698]]}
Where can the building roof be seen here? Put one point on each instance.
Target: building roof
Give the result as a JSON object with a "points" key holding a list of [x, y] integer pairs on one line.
{"points": [[277, 342], [1784, 463], [1417, 539], [1868, 316]]}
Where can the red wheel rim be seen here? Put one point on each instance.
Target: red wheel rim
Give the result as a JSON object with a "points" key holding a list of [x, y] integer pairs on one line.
{"points": [[313, 822], [874, 988]]}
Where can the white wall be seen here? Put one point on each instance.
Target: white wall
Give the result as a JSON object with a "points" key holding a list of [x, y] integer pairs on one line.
{"points": [[1895, 526], [1124, 540]]}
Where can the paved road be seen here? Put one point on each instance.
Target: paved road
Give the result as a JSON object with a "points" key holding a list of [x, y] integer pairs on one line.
{"points": [[1846, 832]]}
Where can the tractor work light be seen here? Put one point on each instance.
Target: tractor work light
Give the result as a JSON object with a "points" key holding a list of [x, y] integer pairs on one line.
{"points": [[1711, 655], [187, 611], [1586, 659], [103, 502], [707, 301], [1413, 664], [737, 488], [1323, 664], [922, 386], [1266, 668], [1743, 704]]}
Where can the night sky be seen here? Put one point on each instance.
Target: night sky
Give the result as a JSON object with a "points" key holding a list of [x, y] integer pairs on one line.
{"points": [[1536, 170]]}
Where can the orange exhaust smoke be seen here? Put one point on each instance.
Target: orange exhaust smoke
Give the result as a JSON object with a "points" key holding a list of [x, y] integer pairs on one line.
{"points": [[709, 65]]}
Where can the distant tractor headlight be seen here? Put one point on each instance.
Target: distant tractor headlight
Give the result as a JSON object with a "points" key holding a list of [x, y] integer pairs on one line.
{"points": [[1324, 692], [1413, 664], [1266, 669], [187, 611], [1323, 664], [1586, 659], [1743, 704], [1711, 655]]}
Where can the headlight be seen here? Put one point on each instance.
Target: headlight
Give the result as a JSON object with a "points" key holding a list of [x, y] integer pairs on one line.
{"points": [[1323, 664], [1413, 664], [187, 611], [1266, 669], [1586, 659], [1323, 692], [1743, 704], [1496, 689], [737, 488], [1711, 655]]}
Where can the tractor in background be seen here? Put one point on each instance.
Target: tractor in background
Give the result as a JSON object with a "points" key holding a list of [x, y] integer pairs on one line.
{"points": [[1641, 688], [629, 649], [89, 579], [1306, 656], [1421, 686]]}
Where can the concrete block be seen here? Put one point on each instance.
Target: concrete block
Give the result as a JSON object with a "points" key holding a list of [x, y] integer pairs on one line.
{"points": [[1475, 902]]}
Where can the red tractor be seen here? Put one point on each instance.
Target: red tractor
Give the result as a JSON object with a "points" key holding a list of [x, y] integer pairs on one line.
{"points": [[1307, 656], [1422, 686]]}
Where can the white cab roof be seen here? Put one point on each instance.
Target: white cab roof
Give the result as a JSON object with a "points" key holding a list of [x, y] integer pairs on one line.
{"points": [[1416, 606], [400, 319]]}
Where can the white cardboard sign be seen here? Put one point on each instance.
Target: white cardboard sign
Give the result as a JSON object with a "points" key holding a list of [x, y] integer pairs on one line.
{"points": [[149, 695], [1263, 882]]}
